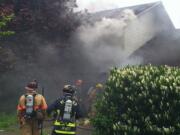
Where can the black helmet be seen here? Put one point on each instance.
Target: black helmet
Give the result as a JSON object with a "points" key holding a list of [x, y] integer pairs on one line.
{"points": [[69, 89]]}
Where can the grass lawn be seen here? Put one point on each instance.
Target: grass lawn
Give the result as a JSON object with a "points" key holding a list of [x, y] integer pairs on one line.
{"points": [[7, 121]]}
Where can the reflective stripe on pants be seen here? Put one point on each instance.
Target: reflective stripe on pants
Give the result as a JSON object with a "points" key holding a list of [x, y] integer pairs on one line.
{"points": [[56, 123], [61, 128], [65, 132]]}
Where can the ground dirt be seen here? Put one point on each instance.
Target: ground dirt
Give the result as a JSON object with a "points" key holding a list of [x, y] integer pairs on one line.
{"points": [[14, 130]]}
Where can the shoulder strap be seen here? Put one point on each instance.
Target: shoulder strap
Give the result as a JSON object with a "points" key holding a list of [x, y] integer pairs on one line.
{"points": [[28, 94]]}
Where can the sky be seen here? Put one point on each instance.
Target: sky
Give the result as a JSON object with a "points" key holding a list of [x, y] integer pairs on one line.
{"points": [[98, 5], [171, 6]]}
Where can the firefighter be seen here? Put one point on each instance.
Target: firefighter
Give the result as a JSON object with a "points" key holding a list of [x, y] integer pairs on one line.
{"points": [[31, 110], [93, 92], [78, 84], [66, 110]]}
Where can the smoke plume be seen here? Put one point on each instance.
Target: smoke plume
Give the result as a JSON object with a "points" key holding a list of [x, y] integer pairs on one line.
{"points": [[104, 41], [94, 47]]}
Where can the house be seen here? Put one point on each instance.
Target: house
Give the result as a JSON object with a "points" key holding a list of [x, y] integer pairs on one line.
{"points": [[151, 35]]}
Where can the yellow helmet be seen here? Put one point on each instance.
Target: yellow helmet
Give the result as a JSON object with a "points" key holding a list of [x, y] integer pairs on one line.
{"points": [[99, 86]]}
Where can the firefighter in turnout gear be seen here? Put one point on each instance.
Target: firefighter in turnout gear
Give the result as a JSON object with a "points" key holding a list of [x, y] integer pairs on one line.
{"points": [[93, 92], [66, 111], [31, 110]]}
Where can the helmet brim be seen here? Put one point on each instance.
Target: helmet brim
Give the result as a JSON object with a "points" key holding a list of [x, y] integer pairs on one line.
{"points": [[29, 89]]}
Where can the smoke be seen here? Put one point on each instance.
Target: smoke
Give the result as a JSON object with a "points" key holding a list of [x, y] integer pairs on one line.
{"points": [[54, 65], [91, 51], [94, 6], [98, 47], [104, 41]]}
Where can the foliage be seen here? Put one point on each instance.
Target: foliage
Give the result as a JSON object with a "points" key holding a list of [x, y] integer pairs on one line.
{"points": [[45, 17], [140, 100], [7, 120], [3, 22], [6, 57], [55, 18], [6, 16]]}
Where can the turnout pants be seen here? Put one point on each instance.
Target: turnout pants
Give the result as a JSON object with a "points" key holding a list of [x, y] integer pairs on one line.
{"points": [[61, 128], [30, 127]]}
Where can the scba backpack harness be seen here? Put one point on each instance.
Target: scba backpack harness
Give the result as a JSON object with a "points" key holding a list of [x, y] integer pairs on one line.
{"points": [[65, 123], [67, 109], [29, 103]]}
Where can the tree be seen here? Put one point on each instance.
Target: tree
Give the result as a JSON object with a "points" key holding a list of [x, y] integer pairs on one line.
{"points": [[6, 56], [140, 100], [3, 23], [6, 16], [52, 17]]}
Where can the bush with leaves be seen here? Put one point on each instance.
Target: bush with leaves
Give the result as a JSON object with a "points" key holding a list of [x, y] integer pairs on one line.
{"points": [[52, 17], [140, 100], [6, 55], [49, 18], [3, 23], [6, 16]]}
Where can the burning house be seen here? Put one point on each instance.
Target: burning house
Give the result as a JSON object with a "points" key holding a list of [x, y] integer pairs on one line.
{"points": [[145, 31]]}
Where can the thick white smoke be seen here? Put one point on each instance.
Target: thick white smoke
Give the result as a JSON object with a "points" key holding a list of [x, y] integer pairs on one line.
{"points": [[104, 41]]}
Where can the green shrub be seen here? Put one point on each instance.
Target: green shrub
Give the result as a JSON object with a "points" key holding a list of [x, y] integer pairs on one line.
{"points": [[140, 100], [3, 23]]}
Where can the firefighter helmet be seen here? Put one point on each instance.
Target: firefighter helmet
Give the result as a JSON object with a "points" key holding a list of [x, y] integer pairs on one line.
{"points": [[99, 86], [78, 82], [69, 89], [32, 85]]}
